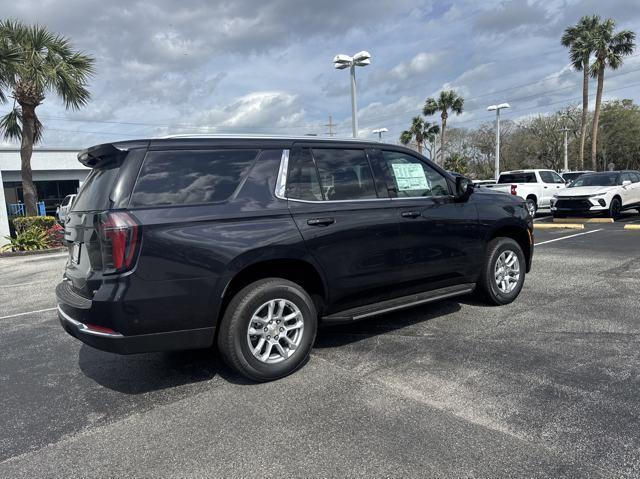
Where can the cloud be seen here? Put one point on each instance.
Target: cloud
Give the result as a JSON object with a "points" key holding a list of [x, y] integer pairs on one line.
{"points": [[511, 15], [418, 65]]}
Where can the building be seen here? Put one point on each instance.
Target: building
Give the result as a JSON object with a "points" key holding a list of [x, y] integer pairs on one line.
{"points": [[56, 174]]}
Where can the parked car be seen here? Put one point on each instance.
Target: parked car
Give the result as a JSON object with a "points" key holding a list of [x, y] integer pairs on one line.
{"points": [[569, 176], [63, 209], [484, 182], [608, 192], [250, 242], [536, 187]]}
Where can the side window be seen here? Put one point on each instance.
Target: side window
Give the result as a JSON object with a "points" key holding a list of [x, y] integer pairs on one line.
{"points": [[414, 178], [344, 174], [624, 177], [551, 177], [66, 200], [181, 177], [302, 178], [635, 177]]}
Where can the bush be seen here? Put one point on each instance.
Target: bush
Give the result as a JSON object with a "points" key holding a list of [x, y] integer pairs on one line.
{"points": [[24, 223], [29, 240], [56, 236]]}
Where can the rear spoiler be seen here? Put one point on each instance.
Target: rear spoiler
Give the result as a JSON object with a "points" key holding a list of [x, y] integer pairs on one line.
{"points": [[101, 155]]}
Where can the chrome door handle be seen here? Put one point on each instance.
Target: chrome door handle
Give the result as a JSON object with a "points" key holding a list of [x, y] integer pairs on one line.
{"points": [[321, 221], [410, 214]]}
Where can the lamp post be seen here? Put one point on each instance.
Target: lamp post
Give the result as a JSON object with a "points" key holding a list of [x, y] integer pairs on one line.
{"points": [[497, 109], [566, 148], [340, 62], [379, 132]]}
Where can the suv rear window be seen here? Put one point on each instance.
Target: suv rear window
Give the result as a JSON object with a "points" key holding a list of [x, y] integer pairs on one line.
{"points": [[182, 177], [95, 191], [518, 178]]}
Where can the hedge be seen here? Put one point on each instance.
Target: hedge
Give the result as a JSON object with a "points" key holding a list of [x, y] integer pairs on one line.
{"points": [[23, 223]]}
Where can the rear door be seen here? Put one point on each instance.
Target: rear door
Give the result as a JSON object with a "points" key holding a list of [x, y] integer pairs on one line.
{"points": [[635, 186], [440, 242], [348, 224]]}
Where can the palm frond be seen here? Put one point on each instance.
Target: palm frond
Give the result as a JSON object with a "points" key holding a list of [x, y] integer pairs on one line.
{"points": [[11, 125]]}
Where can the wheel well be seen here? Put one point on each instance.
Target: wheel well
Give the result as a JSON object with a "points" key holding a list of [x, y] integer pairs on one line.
{"points": [[533, 197], [617, 197], [298, 271], [520, 235]]}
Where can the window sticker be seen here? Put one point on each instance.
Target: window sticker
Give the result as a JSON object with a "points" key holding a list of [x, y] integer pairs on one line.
{"points": [[410, 176]]}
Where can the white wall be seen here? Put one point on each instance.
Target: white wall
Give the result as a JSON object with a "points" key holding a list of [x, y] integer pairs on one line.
{"points": [[4, 220]]}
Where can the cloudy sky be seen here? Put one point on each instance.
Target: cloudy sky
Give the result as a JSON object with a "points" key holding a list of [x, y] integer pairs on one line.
{"points": [[264, 66]]}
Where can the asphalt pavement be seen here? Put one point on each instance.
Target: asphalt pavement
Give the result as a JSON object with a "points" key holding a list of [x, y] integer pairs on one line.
{"points": [[548, 386]]}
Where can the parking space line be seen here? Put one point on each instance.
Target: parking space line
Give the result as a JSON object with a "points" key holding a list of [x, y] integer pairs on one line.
{"points": [[570, 236], [28, 312]]}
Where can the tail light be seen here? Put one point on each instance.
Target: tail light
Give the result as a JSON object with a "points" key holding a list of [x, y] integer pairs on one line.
{"points": [[514, 189], [119, 241]]}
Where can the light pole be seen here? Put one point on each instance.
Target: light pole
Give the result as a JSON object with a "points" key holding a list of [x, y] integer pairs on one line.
{"points": [[566, 148], [379, 132], [340, 62], [497, 109]]}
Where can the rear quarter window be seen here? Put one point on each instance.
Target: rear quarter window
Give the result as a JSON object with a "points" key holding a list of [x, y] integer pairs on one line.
{"points": [[182, 177]]}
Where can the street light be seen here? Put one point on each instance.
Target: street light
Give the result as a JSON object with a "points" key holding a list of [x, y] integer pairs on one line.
{"points": [[340, 62], [379, 132], [497, 109]]}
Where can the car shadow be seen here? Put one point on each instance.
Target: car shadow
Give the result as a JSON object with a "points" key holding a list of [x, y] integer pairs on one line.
{"points": [[142, 373], [334, 335]]}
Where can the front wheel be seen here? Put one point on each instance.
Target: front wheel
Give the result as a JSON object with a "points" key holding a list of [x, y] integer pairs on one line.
{"points": [[615, 208], [268, 329], [503, 272]]}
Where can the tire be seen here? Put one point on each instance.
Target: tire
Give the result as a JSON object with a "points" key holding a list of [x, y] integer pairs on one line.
{"points": [[235, 342], [615, 208], [488, 286], [532, 206]]}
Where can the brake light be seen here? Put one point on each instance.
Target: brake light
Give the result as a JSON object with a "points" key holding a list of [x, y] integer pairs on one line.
{"points": [[119, 239], [514, 189]]}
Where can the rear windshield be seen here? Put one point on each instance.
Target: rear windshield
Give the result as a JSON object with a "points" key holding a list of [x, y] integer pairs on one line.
{"points": [[95, 191], [517, 178], [182, 177]]}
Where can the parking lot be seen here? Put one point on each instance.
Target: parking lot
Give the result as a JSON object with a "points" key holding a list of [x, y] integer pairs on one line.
{"points": [[548, 386]]}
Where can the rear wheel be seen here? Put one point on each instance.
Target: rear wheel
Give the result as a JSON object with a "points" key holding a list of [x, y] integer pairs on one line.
{"points": [[615, 208], [503, 272], [268, 329]]}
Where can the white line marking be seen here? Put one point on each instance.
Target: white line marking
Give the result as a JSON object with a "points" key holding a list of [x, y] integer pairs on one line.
{"points": [[26, 284], [570, 236], [28, 312]]}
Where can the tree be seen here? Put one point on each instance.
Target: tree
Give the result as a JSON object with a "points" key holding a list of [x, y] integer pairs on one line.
{"points": [[420, 131], [579, 39], [457, 163], [40, 62], [620, 129], [609, 47], [448, 100]]}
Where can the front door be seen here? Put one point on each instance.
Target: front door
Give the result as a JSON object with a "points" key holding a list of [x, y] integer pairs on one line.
{"points": [[349, 227], [439, 236]]}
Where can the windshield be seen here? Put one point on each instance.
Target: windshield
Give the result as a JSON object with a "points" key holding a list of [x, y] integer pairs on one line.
{"points": [[601, 179]]}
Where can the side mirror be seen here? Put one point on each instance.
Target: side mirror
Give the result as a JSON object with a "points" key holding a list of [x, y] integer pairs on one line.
{"points": [[464, 187], [626, 183]]}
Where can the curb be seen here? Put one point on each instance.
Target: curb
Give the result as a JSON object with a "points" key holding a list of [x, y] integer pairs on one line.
{"points": [[632, 227], [583, 220], [557, 226], [14, 254]]}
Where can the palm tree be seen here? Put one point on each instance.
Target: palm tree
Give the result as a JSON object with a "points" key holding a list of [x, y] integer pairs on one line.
{"points": [[420, 131], [579, 39], [609, 47], [41, 62], [448, 100]]}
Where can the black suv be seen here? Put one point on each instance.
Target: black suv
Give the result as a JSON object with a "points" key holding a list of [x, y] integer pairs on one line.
{"points": [[250, 242]]}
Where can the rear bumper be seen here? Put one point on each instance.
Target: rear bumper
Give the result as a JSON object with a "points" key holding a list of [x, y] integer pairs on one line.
{"points": [[72, 310]]}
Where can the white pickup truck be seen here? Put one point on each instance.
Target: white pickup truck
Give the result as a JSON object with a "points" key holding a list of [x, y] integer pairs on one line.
{"points": [[537, 187]]}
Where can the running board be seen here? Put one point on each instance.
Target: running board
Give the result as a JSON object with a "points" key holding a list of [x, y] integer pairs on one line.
{"points": [[397, 304]]}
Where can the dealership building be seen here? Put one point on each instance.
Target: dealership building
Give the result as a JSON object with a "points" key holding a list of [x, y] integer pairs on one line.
{"points": [[56, 174]]}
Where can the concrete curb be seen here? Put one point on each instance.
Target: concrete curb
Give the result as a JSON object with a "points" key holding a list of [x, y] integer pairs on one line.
{"points": [[14, 254], [583, 220], [632, 227], [557, 226]]}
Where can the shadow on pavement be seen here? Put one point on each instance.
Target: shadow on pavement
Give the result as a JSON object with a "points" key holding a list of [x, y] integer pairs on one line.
{"points": [[330, 336], [142, 373]]}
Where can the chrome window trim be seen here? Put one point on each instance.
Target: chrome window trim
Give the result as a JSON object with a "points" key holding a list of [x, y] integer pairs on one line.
{"points": [[281, 181]]}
